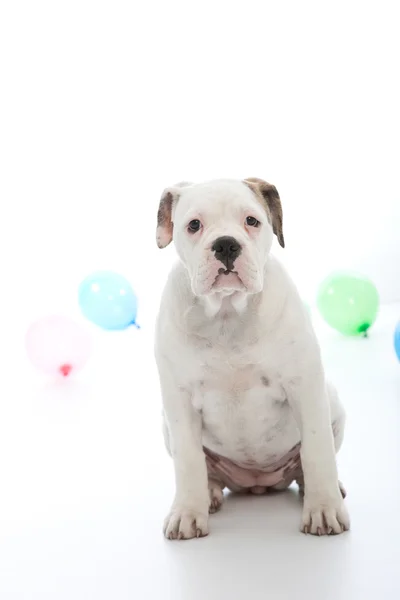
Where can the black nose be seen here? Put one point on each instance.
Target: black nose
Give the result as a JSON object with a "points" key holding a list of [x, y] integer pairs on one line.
{"points": [[226, 249]]}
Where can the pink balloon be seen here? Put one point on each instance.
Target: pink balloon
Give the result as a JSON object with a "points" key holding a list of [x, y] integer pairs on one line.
{"points": [[57, 345]]}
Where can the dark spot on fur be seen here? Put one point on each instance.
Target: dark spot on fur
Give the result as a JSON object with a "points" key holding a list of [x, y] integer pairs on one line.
{"points": [[280, 401], [265, 381], [212, 438]]}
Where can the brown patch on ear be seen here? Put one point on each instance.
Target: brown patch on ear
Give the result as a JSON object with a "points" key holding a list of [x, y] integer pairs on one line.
{"points": [[269, 197], [164, 222], [165, 225]]}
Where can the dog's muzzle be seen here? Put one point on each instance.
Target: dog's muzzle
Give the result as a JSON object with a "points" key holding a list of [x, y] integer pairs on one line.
{"points": [[226, 249]]}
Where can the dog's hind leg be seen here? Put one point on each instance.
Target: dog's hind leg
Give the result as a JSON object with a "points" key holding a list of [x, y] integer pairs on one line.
{"points": [[215, 488]]}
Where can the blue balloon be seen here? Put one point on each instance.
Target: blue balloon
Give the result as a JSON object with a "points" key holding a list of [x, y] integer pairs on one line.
{"points": [[108, 300], [397, 340]]}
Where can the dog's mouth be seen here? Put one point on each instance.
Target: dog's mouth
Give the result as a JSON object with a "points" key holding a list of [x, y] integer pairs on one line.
{"points": [[227, 278], [226, 272]]}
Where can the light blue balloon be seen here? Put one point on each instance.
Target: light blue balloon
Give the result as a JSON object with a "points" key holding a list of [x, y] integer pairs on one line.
{"points": [[397, 340], [108, 300]]}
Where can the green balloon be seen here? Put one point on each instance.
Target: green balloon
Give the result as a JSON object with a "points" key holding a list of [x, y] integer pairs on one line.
{"points": [[348, 303]]}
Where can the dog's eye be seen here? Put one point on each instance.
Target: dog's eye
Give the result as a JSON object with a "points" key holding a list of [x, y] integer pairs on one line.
{"points": [[194, 225], [252, 222]]}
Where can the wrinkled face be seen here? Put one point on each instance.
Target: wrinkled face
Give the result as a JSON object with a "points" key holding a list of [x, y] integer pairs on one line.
{"points": [[223, 232]]}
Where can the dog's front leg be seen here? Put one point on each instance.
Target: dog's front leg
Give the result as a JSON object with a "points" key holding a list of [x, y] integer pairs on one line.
{"points": [[188, 516], [324, 511]]}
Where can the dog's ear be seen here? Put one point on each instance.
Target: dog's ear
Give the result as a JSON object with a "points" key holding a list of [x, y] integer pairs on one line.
{"points": [[268, 194], [165, 225], [164, 217]]}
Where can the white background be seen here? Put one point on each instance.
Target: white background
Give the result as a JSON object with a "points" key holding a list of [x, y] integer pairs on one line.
{"points": [[102, 105]]}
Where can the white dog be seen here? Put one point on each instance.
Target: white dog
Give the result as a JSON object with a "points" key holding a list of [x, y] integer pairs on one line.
{"points": [[246, 403]]}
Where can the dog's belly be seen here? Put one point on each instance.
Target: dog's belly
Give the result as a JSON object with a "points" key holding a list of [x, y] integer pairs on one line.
{"points": [[250, 435], [278, 475]]}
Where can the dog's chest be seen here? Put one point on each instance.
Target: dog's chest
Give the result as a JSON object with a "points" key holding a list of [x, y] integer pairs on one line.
{"points": [[244, 409]]}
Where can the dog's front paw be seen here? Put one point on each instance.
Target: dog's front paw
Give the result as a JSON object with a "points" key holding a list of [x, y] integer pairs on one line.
{"points": [[184, 523], [324, 515]]}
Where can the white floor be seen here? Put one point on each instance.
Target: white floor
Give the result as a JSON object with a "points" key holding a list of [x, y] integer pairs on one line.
{"points": [[85, 484]]}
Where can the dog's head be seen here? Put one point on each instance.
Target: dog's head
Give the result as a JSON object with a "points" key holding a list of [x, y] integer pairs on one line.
{"points": [[223, 232]]}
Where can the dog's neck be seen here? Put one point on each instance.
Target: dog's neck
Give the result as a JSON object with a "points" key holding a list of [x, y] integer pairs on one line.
{"points": [[226, 314], [222, 318], [226, 302]]}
